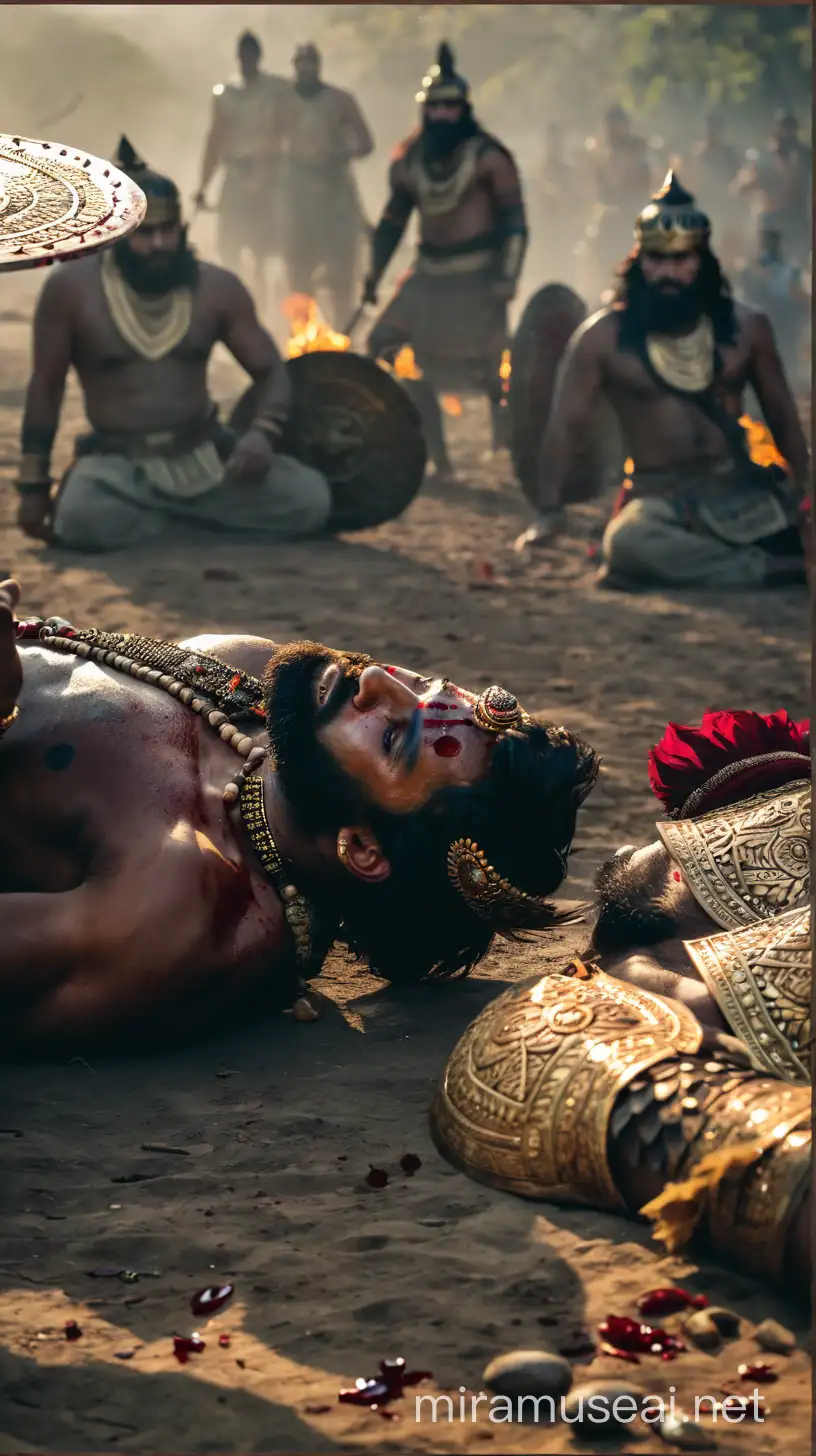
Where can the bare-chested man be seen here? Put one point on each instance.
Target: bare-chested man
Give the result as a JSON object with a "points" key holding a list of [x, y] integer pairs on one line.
{"points": [[674, 355], [187, 829], [139, 325], [245, 139], [322, 132], [452, 308]]}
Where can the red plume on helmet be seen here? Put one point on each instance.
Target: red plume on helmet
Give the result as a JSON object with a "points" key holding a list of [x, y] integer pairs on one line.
{"points": [[728, 757]]}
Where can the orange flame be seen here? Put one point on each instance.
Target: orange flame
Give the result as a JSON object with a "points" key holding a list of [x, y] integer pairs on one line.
{"points": [[760, 443], [451, 404], [309, 332], [405, 365], [505, 371]]}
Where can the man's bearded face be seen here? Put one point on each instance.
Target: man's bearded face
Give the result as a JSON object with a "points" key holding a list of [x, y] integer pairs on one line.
{"points": [[671, 298], [635, 901], [350, 735], [444, 125], [156, 260]]}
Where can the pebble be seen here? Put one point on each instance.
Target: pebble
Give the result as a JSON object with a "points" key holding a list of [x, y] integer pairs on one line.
{"points": [[604, 1390], [528, 1372], [680, 1430], [702, 1330], [727, 1322], [773, 1336]]}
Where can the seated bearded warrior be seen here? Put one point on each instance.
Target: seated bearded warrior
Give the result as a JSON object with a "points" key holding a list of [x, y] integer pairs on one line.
{"points": [[188, 828], [673, 355], [668, 1072], [139, 324]]}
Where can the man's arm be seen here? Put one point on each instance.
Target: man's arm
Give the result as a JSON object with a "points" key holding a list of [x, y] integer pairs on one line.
{"points": [[213, 147], [580, 379], [390, 228], [358, 140], [767, 377], [255, 350], [502, 178], [52, 348]]}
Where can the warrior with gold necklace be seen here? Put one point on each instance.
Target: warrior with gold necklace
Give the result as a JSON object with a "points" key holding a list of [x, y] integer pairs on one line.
{"points": [[139, 325], [673, 355]]}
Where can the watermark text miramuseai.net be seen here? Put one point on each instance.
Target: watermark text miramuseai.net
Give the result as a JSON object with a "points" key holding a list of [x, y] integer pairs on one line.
{"points": [[596, 1409]]}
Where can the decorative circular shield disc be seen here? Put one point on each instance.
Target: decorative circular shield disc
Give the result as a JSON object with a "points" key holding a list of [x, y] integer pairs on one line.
{"points": [[547, 324], [356, 425], [58, 203]]}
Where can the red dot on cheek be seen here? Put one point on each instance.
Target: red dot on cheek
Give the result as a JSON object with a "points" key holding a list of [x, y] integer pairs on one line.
{"points": [[677, 876], [447, 747]]}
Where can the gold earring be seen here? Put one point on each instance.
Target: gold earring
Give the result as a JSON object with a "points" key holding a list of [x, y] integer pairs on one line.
{"points": [[342, 848]]}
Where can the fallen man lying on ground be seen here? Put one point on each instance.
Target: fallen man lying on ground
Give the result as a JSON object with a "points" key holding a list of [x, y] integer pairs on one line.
{"points": [[188, 828], [669, 1071]]}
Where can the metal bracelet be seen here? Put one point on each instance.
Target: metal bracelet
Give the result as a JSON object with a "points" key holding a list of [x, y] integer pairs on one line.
{"points": [[6, 722]]}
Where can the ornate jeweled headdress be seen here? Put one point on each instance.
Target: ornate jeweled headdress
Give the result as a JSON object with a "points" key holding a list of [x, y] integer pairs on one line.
{"points": [[672, 222], [489, 894], [496, 711]]}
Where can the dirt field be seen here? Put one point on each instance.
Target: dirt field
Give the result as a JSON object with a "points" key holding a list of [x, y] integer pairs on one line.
{"points": [[280, 1123]]}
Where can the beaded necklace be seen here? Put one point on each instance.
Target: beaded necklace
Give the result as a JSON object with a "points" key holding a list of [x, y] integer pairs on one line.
{"points": [[187, 675]]}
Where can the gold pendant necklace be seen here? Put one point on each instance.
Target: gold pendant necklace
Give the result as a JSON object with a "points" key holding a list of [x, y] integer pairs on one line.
{"points": [[152, 326], [295, 906], [685, 361]]}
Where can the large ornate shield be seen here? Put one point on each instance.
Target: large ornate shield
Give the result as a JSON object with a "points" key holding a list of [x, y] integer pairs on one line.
{"points": [[547, 324], [356, 425], [58, 203]]}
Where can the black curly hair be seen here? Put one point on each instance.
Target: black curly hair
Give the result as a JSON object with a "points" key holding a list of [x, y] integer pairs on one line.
{"points": [[415, 924]]}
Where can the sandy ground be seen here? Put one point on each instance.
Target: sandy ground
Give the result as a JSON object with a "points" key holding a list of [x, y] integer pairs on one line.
{"points": [[275, 1128]]}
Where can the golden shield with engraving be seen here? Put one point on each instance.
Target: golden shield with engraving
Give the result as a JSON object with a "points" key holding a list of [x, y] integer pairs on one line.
{"points": [[58, 203], [528, 1092]]}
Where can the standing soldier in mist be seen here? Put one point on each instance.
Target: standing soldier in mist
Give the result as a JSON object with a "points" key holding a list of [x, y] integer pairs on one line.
{"points": [[323, 132], [452, 307], [244, 139]]}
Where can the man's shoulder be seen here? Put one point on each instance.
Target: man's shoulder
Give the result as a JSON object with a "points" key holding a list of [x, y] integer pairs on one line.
{"points": [[491, 146], [217, 282], [407, 148]]}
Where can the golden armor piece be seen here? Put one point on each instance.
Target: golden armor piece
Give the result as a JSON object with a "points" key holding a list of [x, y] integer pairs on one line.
{"points": [[58, 203], [761, 979], [743, 1176], [529, 1091], [749, 861]]}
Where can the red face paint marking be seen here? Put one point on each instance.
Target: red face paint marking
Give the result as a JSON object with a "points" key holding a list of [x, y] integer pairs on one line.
{"points": [[677, 876], [447, 747], [391, 671], [447, 723]]}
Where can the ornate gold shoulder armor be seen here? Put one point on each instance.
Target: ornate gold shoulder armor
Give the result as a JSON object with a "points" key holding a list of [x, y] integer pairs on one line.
{"points": [[529, 1091], [761, 979], [747, 862]]}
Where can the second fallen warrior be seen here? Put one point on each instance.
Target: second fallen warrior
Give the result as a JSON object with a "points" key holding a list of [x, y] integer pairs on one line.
{"points": [[673, 355], [139, 324], [452, 307]]}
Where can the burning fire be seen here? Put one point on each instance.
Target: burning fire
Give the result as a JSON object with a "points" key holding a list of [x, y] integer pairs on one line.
{"points": [[308, 331], [310, 334], [760, 443], [505, 370], [451, 404]]}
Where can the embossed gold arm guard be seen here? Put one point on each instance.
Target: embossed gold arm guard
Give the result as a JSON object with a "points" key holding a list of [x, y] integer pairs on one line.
{"points": [[569, 1087]]}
